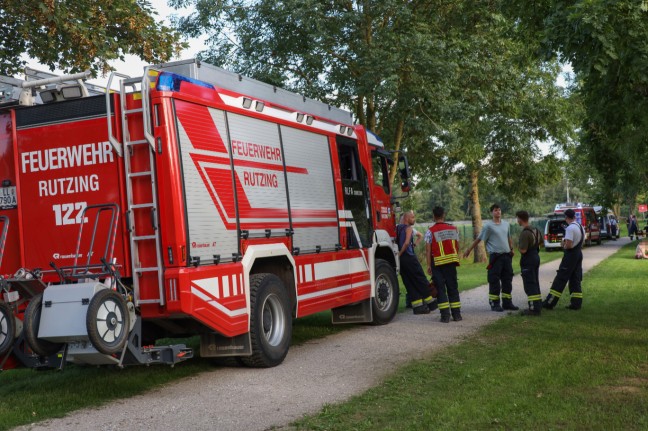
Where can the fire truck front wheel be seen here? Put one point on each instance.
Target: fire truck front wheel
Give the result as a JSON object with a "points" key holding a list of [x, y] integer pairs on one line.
{"points": [[386, 295], [32, 323], [7, 328], [108, 322], [270, 321]]}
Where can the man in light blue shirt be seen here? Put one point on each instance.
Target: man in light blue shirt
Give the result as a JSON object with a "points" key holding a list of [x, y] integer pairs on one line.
{"points": [[496, 235]]}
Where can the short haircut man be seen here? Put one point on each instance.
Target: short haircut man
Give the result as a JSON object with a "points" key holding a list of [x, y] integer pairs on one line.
{"points": [[522, 215]]}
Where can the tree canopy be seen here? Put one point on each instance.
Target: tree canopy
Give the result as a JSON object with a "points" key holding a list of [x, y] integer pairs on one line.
{"points": [[606, 42], [76, 35]]}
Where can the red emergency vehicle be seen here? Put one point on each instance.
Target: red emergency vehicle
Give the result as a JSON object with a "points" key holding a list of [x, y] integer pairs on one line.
{"points": [[586, 217], [191, 201]]}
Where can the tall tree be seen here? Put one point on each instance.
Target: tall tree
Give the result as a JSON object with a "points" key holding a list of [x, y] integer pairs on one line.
{"points": [[76, 35], [380, 59], [506, 102], [606, 42]]}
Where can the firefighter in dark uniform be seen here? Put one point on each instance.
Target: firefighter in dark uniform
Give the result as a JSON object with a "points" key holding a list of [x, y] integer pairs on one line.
{"points": [[571, 266], [529, 246], [443, 259], [411, 272]]}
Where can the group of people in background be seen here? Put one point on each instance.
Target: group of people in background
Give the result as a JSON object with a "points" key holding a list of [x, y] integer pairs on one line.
{"points": [[442, 257]]}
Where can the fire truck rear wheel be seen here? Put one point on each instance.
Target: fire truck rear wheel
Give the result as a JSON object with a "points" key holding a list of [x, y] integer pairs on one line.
{"points": [[7, 328], [108, 322], [270, 321], [31, 324], [386, 295]]}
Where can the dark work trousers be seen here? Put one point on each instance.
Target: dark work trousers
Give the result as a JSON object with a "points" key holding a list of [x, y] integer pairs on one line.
{"points": [[500, 277], [530, 267], [414, 278], [445, 278], [570, 271]]}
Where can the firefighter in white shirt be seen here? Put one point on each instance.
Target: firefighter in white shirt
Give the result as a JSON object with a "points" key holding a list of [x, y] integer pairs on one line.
{"points": [[571, 266]]}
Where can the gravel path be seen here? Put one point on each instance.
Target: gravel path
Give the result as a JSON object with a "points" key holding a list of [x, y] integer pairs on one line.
{"points": [[322, 371]]}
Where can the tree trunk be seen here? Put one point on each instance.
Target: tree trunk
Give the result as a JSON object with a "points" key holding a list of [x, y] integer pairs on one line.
{"points": [[480, 251], [398, 137]]}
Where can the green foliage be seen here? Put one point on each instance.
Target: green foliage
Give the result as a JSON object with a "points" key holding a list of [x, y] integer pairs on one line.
{"points": [[566, 370], [606, 42], [76, 35]]}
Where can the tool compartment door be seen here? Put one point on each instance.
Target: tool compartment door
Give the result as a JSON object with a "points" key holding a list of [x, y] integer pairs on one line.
{"points": [[208, 183]]}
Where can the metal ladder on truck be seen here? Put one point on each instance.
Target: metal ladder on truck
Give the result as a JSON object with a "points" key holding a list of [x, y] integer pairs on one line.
{"points": [[135, 204]]}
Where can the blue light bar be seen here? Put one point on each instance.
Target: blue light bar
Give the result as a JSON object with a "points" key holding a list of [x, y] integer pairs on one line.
{"points": [[171, 82]]}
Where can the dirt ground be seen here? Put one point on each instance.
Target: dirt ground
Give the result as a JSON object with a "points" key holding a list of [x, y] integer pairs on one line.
{"points": [[323, 371]]}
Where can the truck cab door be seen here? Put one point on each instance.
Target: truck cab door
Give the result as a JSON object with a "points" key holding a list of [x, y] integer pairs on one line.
{"points": [[380, 198], [355, 192]]}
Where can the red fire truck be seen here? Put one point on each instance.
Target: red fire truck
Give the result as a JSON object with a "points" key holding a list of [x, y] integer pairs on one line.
{"points": [[191, 201]]}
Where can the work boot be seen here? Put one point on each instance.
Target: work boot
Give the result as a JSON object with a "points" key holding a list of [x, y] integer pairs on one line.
{"points": [[422, 309], [445, 316], [533, 310], [456, 315], [573, 307], [495, 306], [433, 305], [507, 304], [550, 302]]}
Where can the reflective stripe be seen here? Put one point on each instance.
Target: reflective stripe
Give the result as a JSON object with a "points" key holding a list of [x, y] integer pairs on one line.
{"points": [[555, 293], [535, 297], [428, 300], [417, 303], [493, 297], [506, 296], [577, 295], [444, 305], [455, 304]]}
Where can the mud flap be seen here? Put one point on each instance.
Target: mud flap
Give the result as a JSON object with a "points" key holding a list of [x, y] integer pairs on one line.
{"points": [[216, 345], [360, 312]]}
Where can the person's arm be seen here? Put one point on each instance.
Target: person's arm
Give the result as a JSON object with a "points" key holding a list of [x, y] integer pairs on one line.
{"points": [[419, 237], [408, 238], [428, 257], [567, 244], [524, 244], [469, 249]]}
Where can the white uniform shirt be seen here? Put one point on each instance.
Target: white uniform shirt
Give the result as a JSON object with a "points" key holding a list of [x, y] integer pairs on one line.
{"points": [[573, 232]]}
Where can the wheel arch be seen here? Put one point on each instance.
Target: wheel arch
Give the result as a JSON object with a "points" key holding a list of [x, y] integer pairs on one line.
{"points": [[273, 259]]}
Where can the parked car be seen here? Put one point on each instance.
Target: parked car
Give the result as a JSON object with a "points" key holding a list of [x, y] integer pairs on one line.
{"points": [[554, 232], [604, 223]]}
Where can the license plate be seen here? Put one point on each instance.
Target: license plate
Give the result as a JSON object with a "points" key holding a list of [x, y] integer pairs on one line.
{"points": [[8, 198]]}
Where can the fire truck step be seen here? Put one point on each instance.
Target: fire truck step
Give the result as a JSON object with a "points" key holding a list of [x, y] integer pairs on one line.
{"points": [[137, 142], [143, 237], [150, 269], [149, 301], [133, 111], [139, 174], [147, 205]]}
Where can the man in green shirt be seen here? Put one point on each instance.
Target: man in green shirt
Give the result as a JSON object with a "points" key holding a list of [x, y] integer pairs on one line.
{"points": [[499, 245]]}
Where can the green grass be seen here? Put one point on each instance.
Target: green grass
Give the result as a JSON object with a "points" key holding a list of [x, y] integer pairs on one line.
{"points": [[28, 396], [585, 370]]}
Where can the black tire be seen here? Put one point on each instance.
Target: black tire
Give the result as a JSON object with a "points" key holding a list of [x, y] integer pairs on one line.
{"points": [[7, 328], [31, 323], [270, 321], [386, 293], [108, 322]]}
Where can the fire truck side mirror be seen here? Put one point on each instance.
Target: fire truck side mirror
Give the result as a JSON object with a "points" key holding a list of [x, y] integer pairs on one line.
{"points": [[403, 169]]}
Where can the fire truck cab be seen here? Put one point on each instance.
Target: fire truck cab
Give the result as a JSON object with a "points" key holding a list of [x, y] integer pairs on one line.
{"points": [[191, 201]]}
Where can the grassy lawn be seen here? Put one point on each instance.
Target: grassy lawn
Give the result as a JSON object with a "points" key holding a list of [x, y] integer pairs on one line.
{"points": [[585, 370], [28, 396]]}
